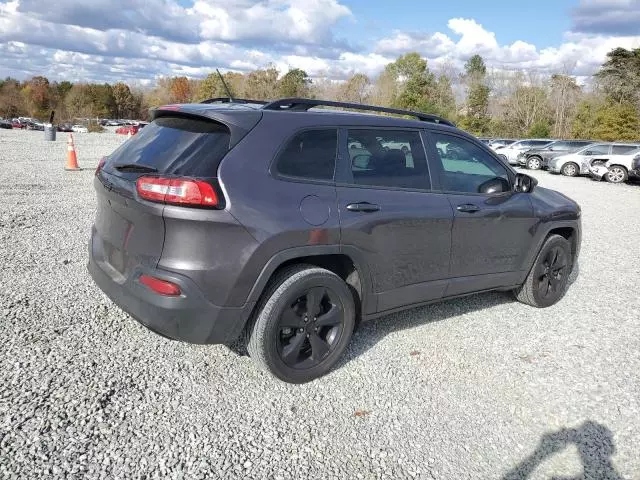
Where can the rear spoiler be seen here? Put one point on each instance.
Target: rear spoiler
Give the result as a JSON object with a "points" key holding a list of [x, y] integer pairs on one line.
{"points": [[238, 121]]}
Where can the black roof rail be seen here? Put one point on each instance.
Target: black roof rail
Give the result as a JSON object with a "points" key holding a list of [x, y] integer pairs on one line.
{"points": [[303, 104], [233, 100]]}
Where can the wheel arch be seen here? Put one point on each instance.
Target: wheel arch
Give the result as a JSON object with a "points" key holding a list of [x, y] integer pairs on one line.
{"points": [[346, 262]]}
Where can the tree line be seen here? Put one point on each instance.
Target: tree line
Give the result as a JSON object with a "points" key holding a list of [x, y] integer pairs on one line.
{"points": [[485, 102]]}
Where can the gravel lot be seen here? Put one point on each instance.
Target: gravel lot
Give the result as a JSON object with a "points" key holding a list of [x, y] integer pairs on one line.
{"points": [[481, 387]]}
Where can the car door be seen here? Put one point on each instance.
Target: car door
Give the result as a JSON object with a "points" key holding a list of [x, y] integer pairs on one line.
{"points": [[493, 226], [594, 154], [390, 215]]}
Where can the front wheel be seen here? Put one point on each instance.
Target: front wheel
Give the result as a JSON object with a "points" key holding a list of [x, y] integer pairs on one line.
{"points": [[617, 174], [303, 324], [534, 163], [570, 169], [548, 279]]}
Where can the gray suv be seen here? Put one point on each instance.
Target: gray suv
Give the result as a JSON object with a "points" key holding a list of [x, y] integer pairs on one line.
{"points": [[284, 225]]}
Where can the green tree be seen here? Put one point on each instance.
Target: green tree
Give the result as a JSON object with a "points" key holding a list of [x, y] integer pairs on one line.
{"points": [[618, 121], [475, 67], [124, 102], [416, 83], [540, 129], [262, 84], [294, 83], [620, 76], [477, 118], [212, 86], [584, 122], [355, 89]]}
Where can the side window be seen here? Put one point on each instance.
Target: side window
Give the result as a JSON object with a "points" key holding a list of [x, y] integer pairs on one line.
{"points": [[597, 150], [388, 158], [468, 168], [310, 154], [622, 149]]}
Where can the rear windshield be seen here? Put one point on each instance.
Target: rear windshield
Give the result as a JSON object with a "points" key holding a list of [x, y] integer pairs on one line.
{"points": [[175, 145]]}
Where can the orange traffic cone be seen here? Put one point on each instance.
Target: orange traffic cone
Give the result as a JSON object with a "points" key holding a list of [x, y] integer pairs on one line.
{"points": [[72, 159]]}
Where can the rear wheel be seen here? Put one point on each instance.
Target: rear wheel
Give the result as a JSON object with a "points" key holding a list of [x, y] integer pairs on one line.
{"points": [[534, 163], [617, 174], [548, 279], [303, 324], [570, 169]]}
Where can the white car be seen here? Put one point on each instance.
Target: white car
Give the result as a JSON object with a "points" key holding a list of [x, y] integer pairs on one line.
{"points": [[618, 168], [510, 152], [79, 129], [580, 162]]}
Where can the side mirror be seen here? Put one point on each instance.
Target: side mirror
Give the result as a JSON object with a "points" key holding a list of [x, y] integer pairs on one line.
{"points": [[588, 152], [524, 183], [493, 186]]}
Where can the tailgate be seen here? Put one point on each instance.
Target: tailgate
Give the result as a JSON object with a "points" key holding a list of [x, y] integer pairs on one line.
{"points": [[127, 233]]}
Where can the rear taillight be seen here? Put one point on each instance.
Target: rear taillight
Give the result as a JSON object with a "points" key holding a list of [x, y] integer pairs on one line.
{"points": [[177, 191], [161, 287], [100, 165]]}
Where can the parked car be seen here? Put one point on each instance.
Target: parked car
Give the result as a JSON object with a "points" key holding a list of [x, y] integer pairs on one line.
{"points": [[15, 123], [65, 127], [579, 162], [617, 168], [6, 124], [537, 158], [128, 129], [79, 129], [510, 152], [35, 125], [500, 142], [225, 221]]}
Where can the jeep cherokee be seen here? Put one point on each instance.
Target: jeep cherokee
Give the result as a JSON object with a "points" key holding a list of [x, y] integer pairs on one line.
{"points": [[284, 224]]}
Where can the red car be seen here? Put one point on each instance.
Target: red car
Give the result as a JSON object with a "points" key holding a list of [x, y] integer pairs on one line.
{"points": [[133, 129], [17, 124]]}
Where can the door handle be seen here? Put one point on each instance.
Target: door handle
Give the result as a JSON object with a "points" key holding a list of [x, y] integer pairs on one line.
{"points": [[363, 207], [468, 208]]}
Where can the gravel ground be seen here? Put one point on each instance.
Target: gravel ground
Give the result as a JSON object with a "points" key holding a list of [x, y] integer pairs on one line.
{"points": [[481, 387]]}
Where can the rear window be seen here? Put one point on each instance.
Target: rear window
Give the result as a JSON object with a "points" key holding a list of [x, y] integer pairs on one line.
{"points": [[176, 145], [623, 149]]}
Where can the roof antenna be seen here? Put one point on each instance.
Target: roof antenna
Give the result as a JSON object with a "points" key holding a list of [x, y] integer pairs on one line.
{"points": [[225, 86]]}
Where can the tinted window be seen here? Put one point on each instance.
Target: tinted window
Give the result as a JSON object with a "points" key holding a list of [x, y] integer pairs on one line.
{"points": [[578, 144], [596, 150], [389, 158], [465, 166], [176, 146], [622, 149], [560, 146], [539, 143], [310, 154]]}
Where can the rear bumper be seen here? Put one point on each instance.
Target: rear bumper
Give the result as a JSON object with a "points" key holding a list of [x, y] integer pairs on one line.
{"points": [[188, 317]]}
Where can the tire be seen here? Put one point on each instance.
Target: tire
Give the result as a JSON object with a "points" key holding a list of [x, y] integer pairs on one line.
{"points": [[548, 279], [282, 342], [534, 163], [570, 169], [617, 174]]}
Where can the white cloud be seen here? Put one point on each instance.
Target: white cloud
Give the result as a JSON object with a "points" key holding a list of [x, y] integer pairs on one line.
{"points": [[580, 54], [110, 40]]}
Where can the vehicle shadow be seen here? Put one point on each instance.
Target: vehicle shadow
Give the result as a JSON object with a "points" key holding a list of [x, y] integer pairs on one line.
{"points": [[595, 446], [369, 333]]}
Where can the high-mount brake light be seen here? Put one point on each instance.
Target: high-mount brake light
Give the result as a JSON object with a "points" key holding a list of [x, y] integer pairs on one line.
{"points": [[177, 191]]}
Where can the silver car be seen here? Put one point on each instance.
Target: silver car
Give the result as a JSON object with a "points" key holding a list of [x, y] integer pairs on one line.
{"points": [[579, 163]]}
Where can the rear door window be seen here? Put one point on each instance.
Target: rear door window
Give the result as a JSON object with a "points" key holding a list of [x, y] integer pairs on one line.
{"points": [[388, 158], [176, 145], [596, 150], [310, 154]]}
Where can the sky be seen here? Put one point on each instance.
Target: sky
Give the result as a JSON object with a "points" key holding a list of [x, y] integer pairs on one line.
{"points": [[138, 41]]}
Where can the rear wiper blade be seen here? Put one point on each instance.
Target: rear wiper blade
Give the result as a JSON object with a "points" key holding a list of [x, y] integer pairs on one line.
{"points": [[134, 167]]}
